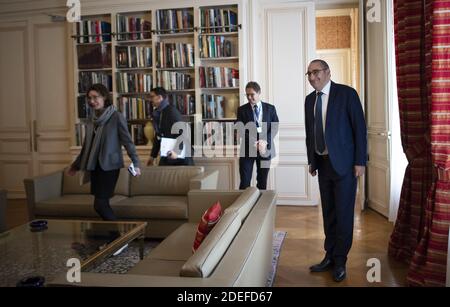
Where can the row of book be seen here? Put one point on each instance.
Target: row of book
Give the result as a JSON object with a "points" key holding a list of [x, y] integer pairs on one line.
{"points": [[137, 134], [94, 56], [218, 77], [92, 31], [184, 103], [133, 56], [84, 111], [172, 21], [219, 134], [213, 106], [172, 55], [215, 46], [133, 108], [132, 28], [172, 80], [87, 78], [134, 82], [218, 20], [80, 132]]}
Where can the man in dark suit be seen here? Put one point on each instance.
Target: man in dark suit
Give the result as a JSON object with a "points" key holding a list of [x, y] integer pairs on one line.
{"points": [[164, 117], [336, 140], [257, 141]]}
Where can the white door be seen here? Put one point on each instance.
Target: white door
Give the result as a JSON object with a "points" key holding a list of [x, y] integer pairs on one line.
{"points": [[50, 100], [378, 101], [16, 148], [283, 43], [34, 125]]}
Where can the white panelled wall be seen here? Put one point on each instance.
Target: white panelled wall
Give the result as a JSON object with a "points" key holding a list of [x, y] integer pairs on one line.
{"points": [[283, 44]]}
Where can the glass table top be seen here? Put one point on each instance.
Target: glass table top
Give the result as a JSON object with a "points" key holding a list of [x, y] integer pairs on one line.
{"points": [[27, 251]]}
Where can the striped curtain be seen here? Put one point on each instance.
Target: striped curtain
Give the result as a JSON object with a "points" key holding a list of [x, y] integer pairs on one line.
{"points": [[420, 236], [428, 265], [413, 55]]}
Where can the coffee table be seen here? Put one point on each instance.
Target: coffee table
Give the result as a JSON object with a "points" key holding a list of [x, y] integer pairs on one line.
{"points": [[25, 252]]}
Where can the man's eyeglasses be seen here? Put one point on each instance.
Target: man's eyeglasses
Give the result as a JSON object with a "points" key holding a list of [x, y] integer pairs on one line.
{"points": [[315, 72]]}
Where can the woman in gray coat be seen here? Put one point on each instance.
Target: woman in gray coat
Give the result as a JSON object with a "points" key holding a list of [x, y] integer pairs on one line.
{"points": [[101, 154]]}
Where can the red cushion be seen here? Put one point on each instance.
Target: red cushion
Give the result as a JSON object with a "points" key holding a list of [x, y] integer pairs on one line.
{"points": [[208, 221]]}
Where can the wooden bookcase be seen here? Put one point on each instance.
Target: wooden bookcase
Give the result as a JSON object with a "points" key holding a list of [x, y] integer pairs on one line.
{"points": [[194, 52]]}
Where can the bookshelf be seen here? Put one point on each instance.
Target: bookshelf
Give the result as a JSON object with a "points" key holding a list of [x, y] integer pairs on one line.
{"points": [[191, 51]]}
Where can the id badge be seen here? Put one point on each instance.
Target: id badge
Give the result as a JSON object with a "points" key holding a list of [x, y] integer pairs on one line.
{"points": [[259, 129]]}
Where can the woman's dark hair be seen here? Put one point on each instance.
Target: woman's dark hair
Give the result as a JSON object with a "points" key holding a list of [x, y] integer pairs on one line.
{"points": [[160, 91], [103, 91]]}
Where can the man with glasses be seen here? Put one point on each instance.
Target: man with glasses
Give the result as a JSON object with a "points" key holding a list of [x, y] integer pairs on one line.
{"points": [[256, 141], [164, 117], [336, 140]]}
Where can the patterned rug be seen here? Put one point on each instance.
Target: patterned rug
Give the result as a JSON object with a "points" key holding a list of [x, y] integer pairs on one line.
{"points": [[129, 257], [278, 239]]}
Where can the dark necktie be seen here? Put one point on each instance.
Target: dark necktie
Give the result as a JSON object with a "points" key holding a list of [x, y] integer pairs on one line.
{"points": [[318, 125], [256, 114]]}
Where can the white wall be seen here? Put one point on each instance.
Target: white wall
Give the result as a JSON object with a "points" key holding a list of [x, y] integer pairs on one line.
{"points": [[283, 44]]}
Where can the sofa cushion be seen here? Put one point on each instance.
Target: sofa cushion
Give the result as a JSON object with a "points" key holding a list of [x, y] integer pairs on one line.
{"points": [[72, 205], [209, 219], [71, 185], [177, 246], [205, 259], [244, 203], [152, 207], [158, 267], [164, 180], [123, 183]]}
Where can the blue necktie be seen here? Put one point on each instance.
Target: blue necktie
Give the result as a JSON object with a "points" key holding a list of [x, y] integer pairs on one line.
{"points": [[256, 114], [318, 125]]}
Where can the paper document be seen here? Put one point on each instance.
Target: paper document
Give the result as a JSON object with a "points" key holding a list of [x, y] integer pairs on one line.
{"points": [[168, 144]]}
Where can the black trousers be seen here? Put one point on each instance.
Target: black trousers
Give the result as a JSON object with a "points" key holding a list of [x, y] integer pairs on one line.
{"points": [[246, 172], [337, 194], [103, 184]]}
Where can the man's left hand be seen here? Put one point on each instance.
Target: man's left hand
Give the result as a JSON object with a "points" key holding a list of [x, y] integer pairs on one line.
{"points": [[261, 145], [359, 170]]}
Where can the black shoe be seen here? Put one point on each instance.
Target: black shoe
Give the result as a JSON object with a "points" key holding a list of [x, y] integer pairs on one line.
{"points": [[325, 265], [339, 273]]}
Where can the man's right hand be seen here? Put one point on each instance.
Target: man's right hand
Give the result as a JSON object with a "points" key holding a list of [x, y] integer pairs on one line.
{"points": [[313, 173], [150, 161]]}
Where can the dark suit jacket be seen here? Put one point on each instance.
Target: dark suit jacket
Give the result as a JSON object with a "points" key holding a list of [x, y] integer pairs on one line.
{"points": [[169, 116], [245, 115], [345, 131]]}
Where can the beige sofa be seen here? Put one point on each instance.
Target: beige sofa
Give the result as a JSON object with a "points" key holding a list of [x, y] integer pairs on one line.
{"points": [[158, 196], [237, 251]]}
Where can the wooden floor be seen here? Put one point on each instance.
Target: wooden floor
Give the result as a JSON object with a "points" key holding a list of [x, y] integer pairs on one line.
{"points": [[303, 247]]}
